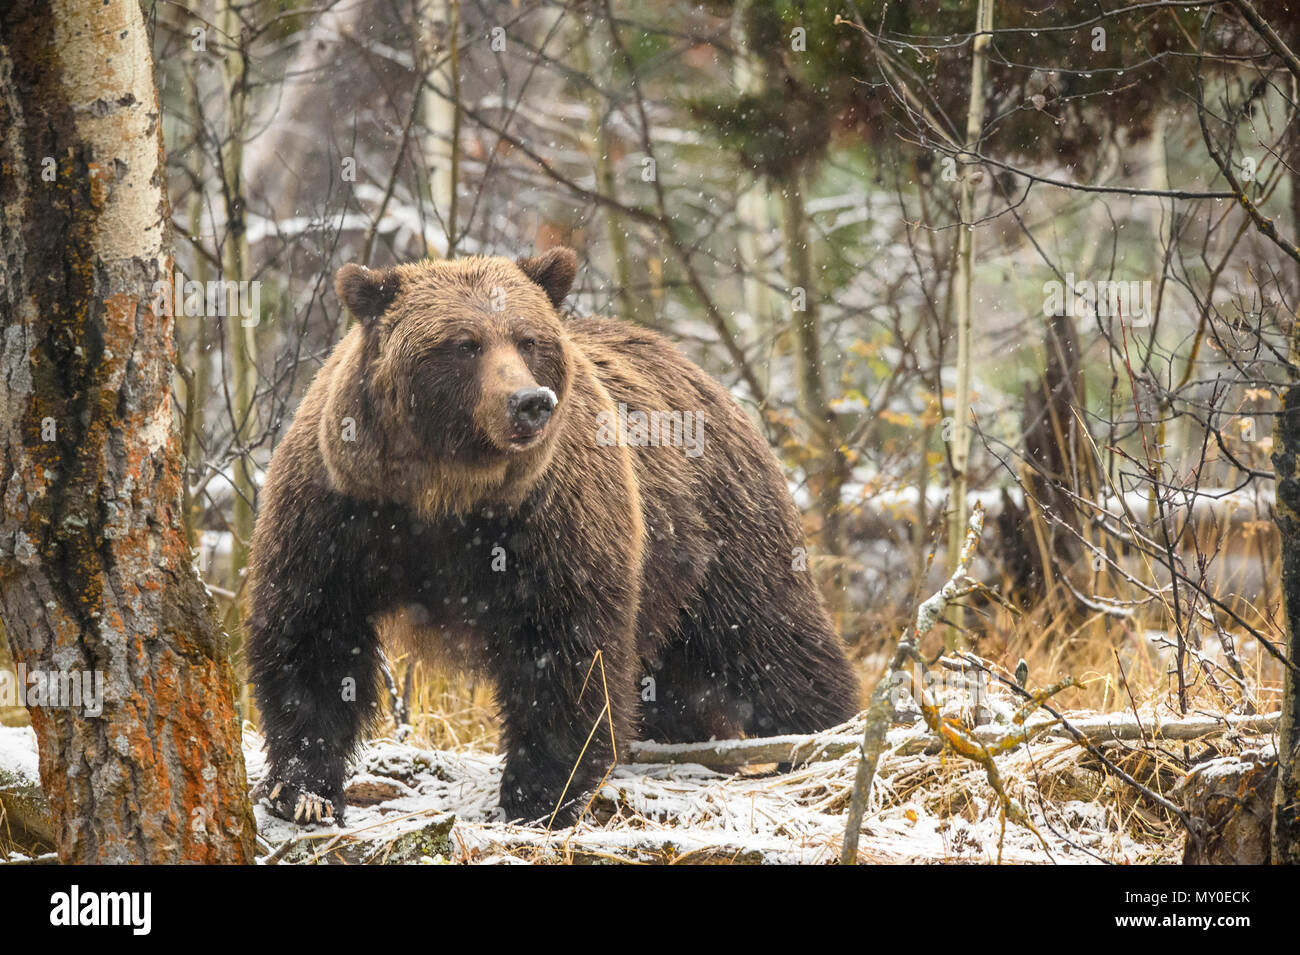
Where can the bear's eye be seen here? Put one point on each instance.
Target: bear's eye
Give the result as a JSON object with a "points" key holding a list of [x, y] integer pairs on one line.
{"points": [[527, 344], [467, 347]]}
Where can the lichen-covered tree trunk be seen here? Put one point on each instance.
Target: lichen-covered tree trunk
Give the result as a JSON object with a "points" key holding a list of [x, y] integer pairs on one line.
{"points": [[95, 572], [1286, 461], [1286, 465]]}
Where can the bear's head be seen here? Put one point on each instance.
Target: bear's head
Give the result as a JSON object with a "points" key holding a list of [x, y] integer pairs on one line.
{"points": [[461, 368]]}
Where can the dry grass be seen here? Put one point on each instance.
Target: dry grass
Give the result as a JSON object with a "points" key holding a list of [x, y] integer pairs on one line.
{"points": [[448, 710]]}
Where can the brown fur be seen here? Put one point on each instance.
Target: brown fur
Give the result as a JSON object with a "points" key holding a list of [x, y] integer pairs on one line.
{"points": [[675, 573]]}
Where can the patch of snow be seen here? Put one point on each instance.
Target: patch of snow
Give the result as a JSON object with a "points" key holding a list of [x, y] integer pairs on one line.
{"points": [[18, 753]]}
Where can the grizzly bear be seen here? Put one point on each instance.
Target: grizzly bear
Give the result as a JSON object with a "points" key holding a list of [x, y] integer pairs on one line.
{"points": [[567, 505]]}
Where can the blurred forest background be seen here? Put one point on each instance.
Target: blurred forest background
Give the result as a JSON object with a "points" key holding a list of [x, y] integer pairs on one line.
{"points": [[780, 186]]}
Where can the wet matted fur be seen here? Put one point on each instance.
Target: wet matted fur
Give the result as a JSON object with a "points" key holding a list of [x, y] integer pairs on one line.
{"points": [[402, 498]]}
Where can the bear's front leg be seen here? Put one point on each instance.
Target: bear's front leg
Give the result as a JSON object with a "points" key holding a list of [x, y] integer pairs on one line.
{"points": [[314, 656], [315, 675], [559, 725]]}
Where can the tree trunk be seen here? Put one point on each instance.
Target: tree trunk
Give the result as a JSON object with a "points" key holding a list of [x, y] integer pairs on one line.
{"points": [[440, 111], [964, 284], [1286, 808], [753, 222], [831, 469], [97, 574], [241, 332], [591, 60], [1286, 465], [1035, 551], [194, 363]]}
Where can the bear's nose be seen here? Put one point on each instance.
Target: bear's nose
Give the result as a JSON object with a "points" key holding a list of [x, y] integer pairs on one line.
{"points": [[530, 408]]}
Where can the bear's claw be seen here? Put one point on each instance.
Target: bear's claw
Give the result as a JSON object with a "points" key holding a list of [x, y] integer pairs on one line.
{"points": [[306, 809]]}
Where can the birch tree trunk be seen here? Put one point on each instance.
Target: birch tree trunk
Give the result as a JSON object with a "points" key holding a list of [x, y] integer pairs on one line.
{"points": [[95, 571], [965, 282], [439, 111], [752, 219]]}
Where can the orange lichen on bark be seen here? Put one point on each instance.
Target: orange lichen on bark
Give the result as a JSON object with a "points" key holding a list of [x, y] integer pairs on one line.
{"points": [[103, 578]]}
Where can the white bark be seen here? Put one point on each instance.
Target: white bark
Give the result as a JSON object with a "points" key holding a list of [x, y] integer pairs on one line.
{"points": [[438, 111], [965, 279]]}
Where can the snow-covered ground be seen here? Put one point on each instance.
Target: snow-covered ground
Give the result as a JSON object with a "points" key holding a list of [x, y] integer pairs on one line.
{"points": [[925, 808], [408, 804], [18, 754]]}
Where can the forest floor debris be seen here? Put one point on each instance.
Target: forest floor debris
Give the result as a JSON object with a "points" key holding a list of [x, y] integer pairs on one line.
{"points": [[409, 804], [927, 806]]}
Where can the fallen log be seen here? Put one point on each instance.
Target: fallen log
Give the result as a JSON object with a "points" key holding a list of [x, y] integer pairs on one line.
{"points": [[669, 847], [732, 754], [729, 755], [368, 846], [1124, 727]]}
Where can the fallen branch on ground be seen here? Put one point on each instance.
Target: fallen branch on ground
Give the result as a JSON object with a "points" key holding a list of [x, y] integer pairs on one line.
{"points": [[728, 755]]}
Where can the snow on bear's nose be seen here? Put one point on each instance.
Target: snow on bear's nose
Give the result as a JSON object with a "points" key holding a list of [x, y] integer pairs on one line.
{"points": [[530, 409]]}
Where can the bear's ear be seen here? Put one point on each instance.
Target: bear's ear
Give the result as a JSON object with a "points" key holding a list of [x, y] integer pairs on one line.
{"points": [[366, 292], [554, 271]]}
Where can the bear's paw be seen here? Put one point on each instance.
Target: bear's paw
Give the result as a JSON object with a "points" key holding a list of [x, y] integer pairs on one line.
{"points": [[299, 805]]}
